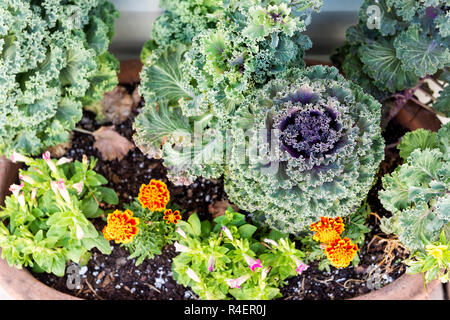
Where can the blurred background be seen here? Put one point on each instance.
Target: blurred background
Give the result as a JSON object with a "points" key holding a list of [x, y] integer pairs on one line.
{"points": [[327, 29]]}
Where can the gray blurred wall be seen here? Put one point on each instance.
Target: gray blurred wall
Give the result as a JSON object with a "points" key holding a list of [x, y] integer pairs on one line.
{"points": [[327, 29]]}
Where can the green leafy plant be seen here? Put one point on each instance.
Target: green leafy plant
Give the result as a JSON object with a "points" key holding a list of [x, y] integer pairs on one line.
{"points": [[181, 21], [418, 192], [53, 60], [224, 259], [154, 233], [434, 262], [45, 220], [397, 54]]}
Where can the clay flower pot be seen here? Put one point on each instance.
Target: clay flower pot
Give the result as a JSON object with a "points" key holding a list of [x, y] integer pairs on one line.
{"points": [[20, 284]]}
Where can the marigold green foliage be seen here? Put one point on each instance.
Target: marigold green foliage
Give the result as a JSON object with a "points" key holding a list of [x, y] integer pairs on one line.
{"points": [[53, 59]]}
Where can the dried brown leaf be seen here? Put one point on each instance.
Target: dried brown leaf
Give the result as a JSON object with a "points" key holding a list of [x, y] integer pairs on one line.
{"points": [[111, 144], [117, 105]]}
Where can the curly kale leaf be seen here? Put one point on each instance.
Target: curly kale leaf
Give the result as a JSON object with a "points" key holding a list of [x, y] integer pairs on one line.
{"points": [[181, 21], [381, 62], [53, 57], [417, 139], [421, 54], [325, 154], [442, 105], [417, 192]]}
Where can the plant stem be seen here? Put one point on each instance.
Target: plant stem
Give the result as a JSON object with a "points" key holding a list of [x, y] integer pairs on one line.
{"points": [[83, 131]]}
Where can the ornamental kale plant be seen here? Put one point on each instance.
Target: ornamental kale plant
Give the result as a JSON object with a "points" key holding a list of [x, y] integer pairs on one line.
{"points": [[44, 223], [181, 21], [53, 60], [418, 192], [395, 47], [201, 82], [224, 259], [320, 146]]}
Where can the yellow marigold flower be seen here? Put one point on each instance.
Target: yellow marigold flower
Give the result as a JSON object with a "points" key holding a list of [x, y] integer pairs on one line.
{"points": [[341, 252], [154, 195], [327, 230], [121, 227], [172, 217]]}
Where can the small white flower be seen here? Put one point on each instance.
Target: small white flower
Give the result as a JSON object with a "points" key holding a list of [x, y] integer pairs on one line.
{"points": [[181, 248], [63, 190], [33, 194], [15, 189], [181, 232], [271, 242], [21, 200], [63, 160], [17, 157], [79, 232], [191, 274], [227, 233], [27, 179], [236, 283], [79, 187]]}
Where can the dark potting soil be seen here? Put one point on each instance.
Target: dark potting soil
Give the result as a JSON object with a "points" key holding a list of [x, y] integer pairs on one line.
{"points": [[116, 277]]}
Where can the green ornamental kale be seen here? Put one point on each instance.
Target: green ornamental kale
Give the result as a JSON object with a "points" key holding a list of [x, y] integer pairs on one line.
{"points": [[395, 44], [53, 60], [196, 87], [319, 147], [418, 192], [181, 21]]}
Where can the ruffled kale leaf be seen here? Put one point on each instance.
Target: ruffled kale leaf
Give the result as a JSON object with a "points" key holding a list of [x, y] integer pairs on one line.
{"points": [[421, 54], [381, 62]]}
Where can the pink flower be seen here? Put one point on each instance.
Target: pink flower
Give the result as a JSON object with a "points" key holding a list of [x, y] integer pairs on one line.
{"points": [[17, 157], [27, 179], [37, 170], [79, 187], [211, 262], [21, 199], [236, 283], [33, 194], [300, 266], [227, 233], [181, 232], [63, 190], [15, 189], [252, 263], [54, 186], [49, 161], [181, 248]]}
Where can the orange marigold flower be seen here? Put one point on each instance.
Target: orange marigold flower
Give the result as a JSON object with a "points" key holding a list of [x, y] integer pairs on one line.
{"points": [[154, 195], [172, 217], [327, 229], [341, 252], [121, 227]]}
